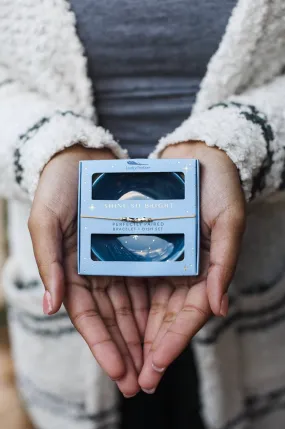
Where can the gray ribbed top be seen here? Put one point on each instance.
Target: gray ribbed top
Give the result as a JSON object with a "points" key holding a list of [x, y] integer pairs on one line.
{"points": [[146, 61]]}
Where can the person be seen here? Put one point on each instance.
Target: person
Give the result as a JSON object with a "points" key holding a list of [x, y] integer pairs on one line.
{"points": [[150, 66]]}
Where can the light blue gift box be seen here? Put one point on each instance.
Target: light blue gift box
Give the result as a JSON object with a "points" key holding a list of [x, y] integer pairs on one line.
{"points": [[127, 226]]}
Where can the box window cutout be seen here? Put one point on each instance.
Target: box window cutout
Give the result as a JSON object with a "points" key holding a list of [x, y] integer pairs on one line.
{"points": [[138, 186], [137, 247]]}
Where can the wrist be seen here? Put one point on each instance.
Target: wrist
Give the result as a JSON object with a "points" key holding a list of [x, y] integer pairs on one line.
{"points": [[81, 153], [68, 159], [199, 150], [186, 149]]}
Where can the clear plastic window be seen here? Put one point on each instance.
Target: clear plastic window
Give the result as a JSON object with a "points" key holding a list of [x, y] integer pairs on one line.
{"points": [[137, 247], [138, 186]]}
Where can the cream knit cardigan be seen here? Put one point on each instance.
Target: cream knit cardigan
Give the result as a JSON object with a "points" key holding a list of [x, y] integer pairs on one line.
{"points": [[46, 105]]}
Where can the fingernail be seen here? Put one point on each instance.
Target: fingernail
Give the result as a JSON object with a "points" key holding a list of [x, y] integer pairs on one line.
{"points": [[157, 369], [130, 396], [149, 391], [47, 303], [224, 305]]}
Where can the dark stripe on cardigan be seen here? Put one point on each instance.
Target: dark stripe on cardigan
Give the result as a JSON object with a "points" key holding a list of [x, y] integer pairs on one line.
{"points": [[29, 134], [46, 332], [39, 318], [259, 406], [262, 325], [253, 115], [259, 181], [282, 184], [263, 287], [27, 285], [35, 397], [263, 412], [246, 316], [6, 82], [44, 326]]}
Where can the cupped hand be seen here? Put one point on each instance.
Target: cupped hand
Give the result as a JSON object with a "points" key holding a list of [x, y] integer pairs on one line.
{"points": [[181, 306], [109, 313]]}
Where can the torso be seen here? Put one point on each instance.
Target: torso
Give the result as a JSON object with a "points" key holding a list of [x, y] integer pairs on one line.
{"points": [[146, 61]]}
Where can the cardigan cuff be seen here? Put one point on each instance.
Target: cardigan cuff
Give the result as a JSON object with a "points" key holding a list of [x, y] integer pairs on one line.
{"points": [[240, 130], [50, 135]]}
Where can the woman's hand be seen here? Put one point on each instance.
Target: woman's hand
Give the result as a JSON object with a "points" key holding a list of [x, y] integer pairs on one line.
{"points": [[181, 306], [109, 314]]}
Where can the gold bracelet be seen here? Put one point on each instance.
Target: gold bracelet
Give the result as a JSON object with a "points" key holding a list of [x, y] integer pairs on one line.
{"points": [[137, 219]]}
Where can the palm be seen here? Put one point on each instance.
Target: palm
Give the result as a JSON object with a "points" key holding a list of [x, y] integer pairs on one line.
{"points": [[181, 306], [110, 313]]}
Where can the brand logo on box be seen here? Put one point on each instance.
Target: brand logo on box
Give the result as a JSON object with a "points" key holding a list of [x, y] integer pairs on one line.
{"points": [[135, 165]]}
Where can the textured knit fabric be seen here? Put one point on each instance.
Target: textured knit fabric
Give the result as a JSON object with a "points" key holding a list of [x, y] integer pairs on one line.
{"points": [[144, 74], [240, 359]]}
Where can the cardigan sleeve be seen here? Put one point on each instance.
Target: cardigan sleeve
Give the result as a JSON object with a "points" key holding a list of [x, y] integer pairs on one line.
{"points": [[32, 130], [250, 128]]}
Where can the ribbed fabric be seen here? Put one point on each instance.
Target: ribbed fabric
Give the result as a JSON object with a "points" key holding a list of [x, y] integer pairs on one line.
{"points": [[146, 69]]}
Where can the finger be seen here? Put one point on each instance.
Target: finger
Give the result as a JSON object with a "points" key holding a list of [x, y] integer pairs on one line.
{"points": [[175, 305], [190, 319], [149, 378], [85, 316], [226, 237], [128, 384], [194, 314], [47, 244], [125, 319], [137, 288], [161, 293], [152, 375], [151, 288]]}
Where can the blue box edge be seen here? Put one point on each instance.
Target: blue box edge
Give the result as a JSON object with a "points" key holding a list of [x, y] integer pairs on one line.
{"points": [[198, 217], [78, 217], [197, 225]]}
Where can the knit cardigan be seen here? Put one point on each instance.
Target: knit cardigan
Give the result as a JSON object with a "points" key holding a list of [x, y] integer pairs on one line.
{"points": [[46, 105]]}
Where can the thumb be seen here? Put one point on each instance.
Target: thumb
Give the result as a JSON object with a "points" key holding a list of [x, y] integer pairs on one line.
{"points": [[46, 237], [226, 236]]}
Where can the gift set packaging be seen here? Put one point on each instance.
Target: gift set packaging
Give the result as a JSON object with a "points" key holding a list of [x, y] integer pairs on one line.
{"points": [[138, 217]]}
